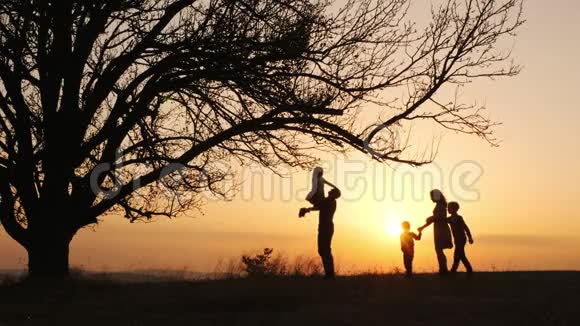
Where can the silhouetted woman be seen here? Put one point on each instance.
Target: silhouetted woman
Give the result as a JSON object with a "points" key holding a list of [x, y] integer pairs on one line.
{"points": [[441, 232]]}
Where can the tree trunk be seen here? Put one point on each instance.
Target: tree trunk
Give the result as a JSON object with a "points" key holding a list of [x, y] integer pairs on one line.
{"points": [[49, 258]]}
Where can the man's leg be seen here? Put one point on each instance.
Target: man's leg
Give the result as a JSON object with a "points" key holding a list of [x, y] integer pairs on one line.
{"points": [[325, 252], [329, 257], [442, 260]]}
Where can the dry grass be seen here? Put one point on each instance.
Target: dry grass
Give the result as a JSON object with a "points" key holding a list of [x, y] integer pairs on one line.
{"points": [[276, 265]]}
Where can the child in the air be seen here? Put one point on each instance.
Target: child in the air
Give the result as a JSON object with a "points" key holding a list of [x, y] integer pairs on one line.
{"points": [[316, 194]]}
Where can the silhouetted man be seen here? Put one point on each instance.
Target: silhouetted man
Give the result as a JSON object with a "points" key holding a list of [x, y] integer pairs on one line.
{"points": [[326, 231]]}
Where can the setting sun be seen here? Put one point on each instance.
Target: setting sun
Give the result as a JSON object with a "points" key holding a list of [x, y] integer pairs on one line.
{"points": [[393, 229]]}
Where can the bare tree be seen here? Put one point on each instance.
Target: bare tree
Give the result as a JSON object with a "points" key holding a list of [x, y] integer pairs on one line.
{"points": [[141, 105]]}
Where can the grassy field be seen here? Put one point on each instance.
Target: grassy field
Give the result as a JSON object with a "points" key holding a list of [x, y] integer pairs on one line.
{"points": [[542, 298]]}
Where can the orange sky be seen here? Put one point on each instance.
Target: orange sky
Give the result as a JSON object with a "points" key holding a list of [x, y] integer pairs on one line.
{"points": [[526, 215]]}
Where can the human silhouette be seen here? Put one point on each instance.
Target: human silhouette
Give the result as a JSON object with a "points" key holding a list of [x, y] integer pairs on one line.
{"points": [[327, 207], [408, 247], [316, 194], [441, 232], [461, 234]]}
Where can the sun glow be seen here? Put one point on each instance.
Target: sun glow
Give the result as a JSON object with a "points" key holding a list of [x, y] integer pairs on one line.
{"points": [[393, 229]]}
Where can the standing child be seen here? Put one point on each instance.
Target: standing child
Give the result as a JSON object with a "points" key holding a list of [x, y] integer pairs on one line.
{"points": [[461, 234], [316, 194], [408, 247]]}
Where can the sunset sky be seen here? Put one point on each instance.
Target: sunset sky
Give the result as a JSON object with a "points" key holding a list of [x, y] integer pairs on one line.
{"points": [[520, 199]]}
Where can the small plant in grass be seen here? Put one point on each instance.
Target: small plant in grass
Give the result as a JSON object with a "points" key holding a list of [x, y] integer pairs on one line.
{"points": [[260, 265]]}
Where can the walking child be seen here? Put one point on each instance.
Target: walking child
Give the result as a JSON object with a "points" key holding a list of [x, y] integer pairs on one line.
{"points": [[408, 247], [461, 234]]}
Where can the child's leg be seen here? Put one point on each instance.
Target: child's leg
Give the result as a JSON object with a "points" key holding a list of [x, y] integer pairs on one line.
{"points": [[466, 263], [305, 210], [408, 261]]}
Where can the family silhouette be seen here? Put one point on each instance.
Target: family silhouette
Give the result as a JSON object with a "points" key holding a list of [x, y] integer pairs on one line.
{"points": [[447, 230], [442, 234]]}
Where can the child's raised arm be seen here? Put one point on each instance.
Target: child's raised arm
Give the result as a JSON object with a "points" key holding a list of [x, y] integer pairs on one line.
{"points": [[328, 183]]}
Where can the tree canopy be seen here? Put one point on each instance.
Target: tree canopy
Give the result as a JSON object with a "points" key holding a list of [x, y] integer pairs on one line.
{"points": [[140, 105]]}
